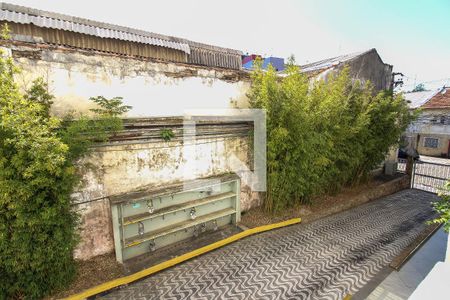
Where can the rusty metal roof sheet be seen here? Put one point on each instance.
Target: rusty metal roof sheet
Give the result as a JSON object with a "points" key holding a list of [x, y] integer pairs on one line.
{"points": [[331, 62], [25, 15], [198, 53]]}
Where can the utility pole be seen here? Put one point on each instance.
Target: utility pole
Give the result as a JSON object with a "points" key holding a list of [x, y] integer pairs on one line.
{"points": [[397, 82]]}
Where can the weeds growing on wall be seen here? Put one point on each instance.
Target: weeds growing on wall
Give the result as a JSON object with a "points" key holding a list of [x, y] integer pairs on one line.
{"points": [[167, 134], [37, 177], [322, 136]]}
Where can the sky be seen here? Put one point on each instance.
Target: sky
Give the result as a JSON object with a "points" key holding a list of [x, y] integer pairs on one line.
{"points": [[411, 35]]}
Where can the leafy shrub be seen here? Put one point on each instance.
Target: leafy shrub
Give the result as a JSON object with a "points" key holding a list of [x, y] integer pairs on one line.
{"points": [[109, 107], [36, 222], [442, 207], [322, 136], [37, 176], [79, 132]]}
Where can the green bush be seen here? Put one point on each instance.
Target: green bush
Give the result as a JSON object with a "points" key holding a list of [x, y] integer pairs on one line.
{"points": [[36, 222], [37, 176], [442, 207], [322, 135]]}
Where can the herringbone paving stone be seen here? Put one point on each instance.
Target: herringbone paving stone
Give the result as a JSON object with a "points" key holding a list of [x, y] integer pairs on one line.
{"points": [[326, 259]]}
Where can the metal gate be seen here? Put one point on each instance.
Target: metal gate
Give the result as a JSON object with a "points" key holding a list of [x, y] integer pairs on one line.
{"points": [[430, 176]]}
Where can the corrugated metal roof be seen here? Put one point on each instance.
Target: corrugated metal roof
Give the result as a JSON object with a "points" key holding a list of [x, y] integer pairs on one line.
{"points": [[331, 62], [31, 33], [198, 53], [417, 99], [25, 15]]}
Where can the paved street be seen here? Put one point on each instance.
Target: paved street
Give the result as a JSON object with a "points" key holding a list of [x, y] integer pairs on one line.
{"points": [[326, 259]]}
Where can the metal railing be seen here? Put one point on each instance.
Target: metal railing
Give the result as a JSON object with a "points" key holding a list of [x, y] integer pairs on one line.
{"points": [[430, 176], [401, 165]]}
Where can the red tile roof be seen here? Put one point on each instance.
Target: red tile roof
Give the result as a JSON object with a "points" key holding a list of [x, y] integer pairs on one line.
{"points": [[440, 100]]}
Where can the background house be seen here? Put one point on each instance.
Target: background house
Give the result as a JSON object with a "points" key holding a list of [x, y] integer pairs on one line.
{"points": [[276, 62], [431, 131], [364, 66]]}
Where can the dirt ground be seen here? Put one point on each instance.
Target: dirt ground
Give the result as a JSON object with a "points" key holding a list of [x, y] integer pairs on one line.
{"points": [[104, 268], [91, 273], [321, 206]]}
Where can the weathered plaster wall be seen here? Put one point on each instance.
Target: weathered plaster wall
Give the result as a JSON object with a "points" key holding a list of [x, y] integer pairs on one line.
{"points": [[443, 144], [367, 67], [124, 168], [371, 67], [152, 88], [429, 125]]}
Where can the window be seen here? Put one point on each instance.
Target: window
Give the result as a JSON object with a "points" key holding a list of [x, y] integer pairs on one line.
{"points": [[443, 119], [431, 142]]}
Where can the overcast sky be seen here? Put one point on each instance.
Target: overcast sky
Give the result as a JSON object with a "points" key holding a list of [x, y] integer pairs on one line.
{"points": [[412, 35]]}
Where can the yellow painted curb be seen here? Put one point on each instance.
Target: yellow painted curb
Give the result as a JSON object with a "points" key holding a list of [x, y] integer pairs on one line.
{"points": [[171, 262]]}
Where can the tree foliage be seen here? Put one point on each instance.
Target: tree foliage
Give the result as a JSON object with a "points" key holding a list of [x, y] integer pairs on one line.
{"points": [[38, 174], [37, 226], [109, 107], [79, 132], [419, 88], [38, 93], [322, 135]]}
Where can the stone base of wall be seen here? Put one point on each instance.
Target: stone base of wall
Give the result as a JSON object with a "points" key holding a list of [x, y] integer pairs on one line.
{"points": [[382, 190], [96, 234]]}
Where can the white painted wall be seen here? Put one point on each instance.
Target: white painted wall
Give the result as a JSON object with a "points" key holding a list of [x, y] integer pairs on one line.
{"points": [[153, 89], [423, 124]]}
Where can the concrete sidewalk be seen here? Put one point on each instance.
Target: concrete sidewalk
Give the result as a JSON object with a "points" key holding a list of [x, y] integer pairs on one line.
{"points": [[400, 285]]}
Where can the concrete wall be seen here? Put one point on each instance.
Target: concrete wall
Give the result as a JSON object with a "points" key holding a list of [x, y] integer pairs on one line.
{"points": [[370, 67], [152, 88], [443, 144], [117, 169], [366, 67], [428, 125]]}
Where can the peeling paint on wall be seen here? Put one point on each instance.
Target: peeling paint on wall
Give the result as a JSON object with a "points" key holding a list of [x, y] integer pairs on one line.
{"points": [[96, 230], [152, 88], [119, 169], [129, 167]]}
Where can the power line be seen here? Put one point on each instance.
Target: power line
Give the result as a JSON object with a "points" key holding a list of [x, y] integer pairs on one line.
{"points": [[430, 81]]}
